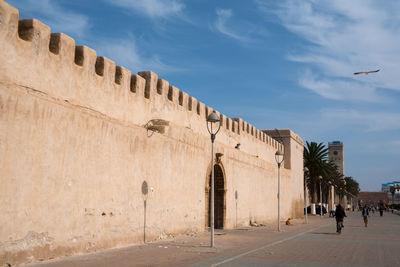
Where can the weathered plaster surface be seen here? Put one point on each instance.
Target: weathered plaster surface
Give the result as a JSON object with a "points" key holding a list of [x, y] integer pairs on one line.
{"points": [[79, 135]]}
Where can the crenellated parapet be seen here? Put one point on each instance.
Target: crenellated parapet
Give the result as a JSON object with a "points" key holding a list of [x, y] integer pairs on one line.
{"points": [[51, 63]]}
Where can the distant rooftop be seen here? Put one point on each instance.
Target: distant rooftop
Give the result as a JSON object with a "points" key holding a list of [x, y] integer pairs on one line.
{"points": [[391, 183], [335, 143]]}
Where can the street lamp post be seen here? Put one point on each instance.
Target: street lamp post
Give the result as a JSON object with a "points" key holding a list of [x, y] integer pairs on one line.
{"points": [[341, 193], [211, 119], [305, 194], [320, 196], [330, 198], [335, 195], [279, 160]]}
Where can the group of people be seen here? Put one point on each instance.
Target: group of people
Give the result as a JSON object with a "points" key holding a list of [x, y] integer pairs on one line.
{"points": [[372, 208], [340, 214]]}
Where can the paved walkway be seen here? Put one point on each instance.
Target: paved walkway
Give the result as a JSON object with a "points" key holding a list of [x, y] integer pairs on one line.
{"points": [[314, 244]]}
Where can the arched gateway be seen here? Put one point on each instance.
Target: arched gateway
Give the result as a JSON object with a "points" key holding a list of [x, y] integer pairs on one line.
{"points": [[219, 198]]}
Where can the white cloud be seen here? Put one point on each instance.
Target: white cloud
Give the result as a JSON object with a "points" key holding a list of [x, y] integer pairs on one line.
{"points": [[345, 37], [152, 8], [323, 123], [57, 17], [340, 89], [125, 52], [369, 121], [239, 30], [223, 16]]}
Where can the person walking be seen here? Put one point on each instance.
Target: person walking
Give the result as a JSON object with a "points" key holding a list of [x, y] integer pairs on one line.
{"points": [[339, 214], [365, 214], [381, 210]]}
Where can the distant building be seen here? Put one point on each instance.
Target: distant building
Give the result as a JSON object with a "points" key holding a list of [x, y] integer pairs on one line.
{"points": [[386, 189], [335, 154], [372, 198]]}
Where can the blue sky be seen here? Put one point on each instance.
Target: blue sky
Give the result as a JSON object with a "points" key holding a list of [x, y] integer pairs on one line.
{"points": [[276, 64]]}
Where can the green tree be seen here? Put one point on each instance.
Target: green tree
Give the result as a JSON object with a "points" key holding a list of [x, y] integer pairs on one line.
{"points": [[315, 159], [315, 156], [397, 189], [392, 191], [352, 186], [331, 177]]}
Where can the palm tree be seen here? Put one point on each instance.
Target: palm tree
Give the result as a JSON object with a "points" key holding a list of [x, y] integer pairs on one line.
{"points": [[332, 177], [397, 189], [315, 156], [393, 191], [352, 186], [341, 189], [315, 159]]}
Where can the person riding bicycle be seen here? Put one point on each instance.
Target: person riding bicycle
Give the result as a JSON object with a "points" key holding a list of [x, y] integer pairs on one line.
{"points": [[339, 214]]}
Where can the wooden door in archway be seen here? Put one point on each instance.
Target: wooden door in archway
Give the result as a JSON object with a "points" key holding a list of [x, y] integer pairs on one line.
{"points": [[219, 199]]}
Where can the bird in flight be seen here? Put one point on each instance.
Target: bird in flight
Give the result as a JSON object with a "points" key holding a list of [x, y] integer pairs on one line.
{"points": [[366, 72]]}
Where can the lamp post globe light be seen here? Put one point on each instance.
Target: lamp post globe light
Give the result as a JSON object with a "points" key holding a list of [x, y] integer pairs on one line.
{"points": [[279, 160], [305, 194], [320, 196], [213, 126]]}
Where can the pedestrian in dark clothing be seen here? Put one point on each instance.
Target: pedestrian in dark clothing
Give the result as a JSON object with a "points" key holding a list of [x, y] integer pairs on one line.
{"points": [[339, 214], [365, 214], [381, 210]]}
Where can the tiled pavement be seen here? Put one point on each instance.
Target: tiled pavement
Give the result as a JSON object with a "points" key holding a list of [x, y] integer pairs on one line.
{"points": [[314, 244]]}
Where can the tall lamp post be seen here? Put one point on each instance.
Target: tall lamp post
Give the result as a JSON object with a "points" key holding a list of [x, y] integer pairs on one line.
{"points": [[341, 193], [305, 193], [320, 196], [335, 195], [279, 160], [213, 126], [330, 199]]}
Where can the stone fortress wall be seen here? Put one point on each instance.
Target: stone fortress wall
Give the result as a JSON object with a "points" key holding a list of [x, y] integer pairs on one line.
{"points": [[79, 135]]}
